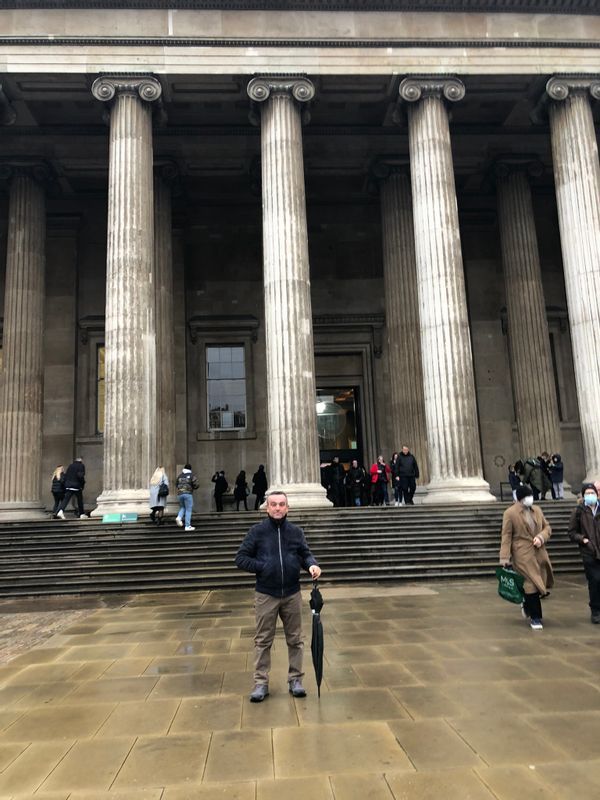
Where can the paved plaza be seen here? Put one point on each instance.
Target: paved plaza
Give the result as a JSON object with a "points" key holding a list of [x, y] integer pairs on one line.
{"points": [[431, 691]]}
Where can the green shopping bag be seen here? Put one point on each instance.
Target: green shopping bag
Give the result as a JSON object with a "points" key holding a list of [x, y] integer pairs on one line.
{"points": [[510, 585]]}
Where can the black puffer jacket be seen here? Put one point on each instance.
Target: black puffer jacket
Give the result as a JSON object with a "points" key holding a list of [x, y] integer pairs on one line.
{"points": [[58, 484], [75, 475], [275, 551], [406, 466]]}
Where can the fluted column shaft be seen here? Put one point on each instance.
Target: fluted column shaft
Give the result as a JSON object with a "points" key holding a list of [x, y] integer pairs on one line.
{"points": [[165, 338], [577, 181], [22, 386], [536, 406], [293, 453], [402, 319], [130, 339], [448, 381]]}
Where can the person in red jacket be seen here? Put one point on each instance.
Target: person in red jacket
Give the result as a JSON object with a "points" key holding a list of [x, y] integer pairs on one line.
{"points": [[380, 476]]}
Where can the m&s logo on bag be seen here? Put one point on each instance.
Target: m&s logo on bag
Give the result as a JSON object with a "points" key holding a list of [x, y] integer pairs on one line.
{"points": [[509, 583]]}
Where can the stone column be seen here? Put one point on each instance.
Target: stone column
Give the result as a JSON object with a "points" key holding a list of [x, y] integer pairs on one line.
{"points": [[577, 181], [536, 406], [165, 337], [131, 412], [293, 451], [449, 386], [402, 314], [22, 385]]}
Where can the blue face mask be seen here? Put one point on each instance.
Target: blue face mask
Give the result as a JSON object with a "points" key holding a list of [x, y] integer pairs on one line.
{"points": [[590, 499]]}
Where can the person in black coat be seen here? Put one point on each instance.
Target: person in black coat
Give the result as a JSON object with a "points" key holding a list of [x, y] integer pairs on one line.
{"points": [[355, 481], [240, 491], [557, 475], [337, 478], [407, 470], [276, 551], [58, 488], [259, 486], [221, 487], [74, 484]]}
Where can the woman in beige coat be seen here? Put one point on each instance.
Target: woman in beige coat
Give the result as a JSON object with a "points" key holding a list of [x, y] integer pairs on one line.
{"points": [[525, 532]]}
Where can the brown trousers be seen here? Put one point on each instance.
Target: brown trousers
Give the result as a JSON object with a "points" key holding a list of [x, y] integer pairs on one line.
{"points": [[267, 610]]}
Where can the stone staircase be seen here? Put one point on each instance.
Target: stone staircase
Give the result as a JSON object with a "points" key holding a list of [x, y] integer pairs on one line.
{"points": [[364, 544]]}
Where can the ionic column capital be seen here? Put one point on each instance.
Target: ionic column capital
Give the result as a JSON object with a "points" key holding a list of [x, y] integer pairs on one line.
{"points": [[167, 170], [413, 89], [107, 87], [297, 87], [530, 166], [34, 168], [383, 168], [559, 87]]}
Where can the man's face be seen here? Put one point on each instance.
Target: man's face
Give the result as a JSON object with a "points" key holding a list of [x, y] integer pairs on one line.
{"points": [[277, 506], [355, 464], [336, 460], [405, 450]]}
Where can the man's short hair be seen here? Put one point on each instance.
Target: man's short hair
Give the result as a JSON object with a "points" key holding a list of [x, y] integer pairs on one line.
{"points": [[276, 491]]}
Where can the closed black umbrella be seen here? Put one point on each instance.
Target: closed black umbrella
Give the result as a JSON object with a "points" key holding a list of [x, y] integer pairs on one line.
{"points": [[316, 643]]}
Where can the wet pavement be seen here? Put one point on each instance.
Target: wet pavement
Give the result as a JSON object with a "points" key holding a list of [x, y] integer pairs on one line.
{"points": [[430, 691]]}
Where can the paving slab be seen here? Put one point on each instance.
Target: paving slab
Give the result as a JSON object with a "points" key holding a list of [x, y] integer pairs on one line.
{"points": [[443, 693]]}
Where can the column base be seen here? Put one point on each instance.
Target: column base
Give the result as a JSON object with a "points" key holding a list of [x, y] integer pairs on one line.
{"points": [[460, 490], [23, 511], [303, 495], [122, 501], [420, 495]]}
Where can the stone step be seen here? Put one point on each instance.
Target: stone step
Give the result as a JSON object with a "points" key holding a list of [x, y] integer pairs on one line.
{"points": [[72, 557]]}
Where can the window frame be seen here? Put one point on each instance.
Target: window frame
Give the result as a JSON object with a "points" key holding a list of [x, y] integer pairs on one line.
{"points": [[231, 346], [221, 331]]}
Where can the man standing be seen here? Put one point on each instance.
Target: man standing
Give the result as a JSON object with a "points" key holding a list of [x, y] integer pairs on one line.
{"points": [[221, 486], [407, 470], [355, 479], [186, 483], [275, 551], [337, 476], [74, 483], [584, 530]]}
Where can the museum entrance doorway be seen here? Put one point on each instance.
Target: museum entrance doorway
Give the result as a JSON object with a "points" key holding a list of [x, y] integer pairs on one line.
{"points": [[339, 423]]}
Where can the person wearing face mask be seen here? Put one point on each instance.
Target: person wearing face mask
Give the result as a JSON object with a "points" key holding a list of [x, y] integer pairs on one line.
{"points": [[584, 530], [525, 532]]}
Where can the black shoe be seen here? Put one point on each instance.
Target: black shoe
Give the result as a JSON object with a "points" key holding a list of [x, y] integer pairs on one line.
{"points": [[258, 694], [296, 688], [595, 618]]}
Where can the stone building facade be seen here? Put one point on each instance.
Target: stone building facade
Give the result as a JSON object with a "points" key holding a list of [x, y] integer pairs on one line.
{"points": [[237, 233]]}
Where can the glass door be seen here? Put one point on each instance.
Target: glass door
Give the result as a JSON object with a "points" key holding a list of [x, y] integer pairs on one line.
{"points": [[338, 424]]}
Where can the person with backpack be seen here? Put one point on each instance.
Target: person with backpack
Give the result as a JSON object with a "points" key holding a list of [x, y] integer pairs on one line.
{"points": [[185, 484], [159, 491], [584, 530]]}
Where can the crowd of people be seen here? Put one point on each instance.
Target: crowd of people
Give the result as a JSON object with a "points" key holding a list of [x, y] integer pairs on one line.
{"points": [[543, 474], [359, 487]]}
